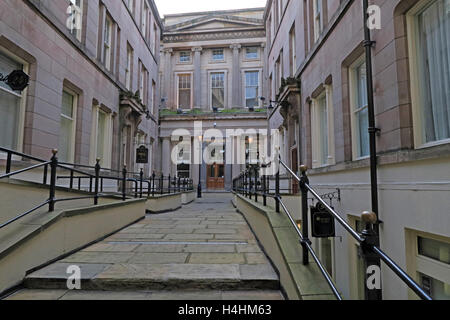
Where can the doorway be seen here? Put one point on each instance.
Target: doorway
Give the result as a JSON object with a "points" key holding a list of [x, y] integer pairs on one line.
{"points": [[216, 177]]}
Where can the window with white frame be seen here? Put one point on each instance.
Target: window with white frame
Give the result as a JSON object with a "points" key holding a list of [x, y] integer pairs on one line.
{"points": [[107, 42], [218, 90], [153, 96], [322, 129], [433, 266], [101, 137], [317, 19], [12, 105], [66, 148], [185, 91], [143, 78], [218, 54], [251, 89], [185, 56], [129, 67], [155, 38], [144, 20], [131, 6], [251, 53], [75, 20], [292, 52], [359, 109], [429, 49]]}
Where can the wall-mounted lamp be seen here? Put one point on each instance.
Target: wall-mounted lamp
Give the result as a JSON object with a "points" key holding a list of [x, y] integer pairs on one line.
{"points": [[16, 80]]}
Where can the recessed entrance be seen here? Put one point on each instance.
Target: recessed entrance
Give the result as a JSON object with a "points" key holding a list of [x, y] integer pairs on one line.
{"points": [[216, 177]]}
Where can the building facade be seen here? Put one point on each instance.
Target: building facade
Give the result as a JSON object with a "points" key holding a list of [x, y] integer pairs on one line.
{"points": [[212, 75], [94, 79], [315, 61]]}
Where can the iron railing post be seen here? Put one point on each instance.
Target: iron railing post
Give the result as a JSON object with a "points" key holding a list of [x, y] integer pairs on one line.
{"points": [[277, 190], [372, 278], [8, 163], [45, 175], [71, 180], [53, 168], [141, 177], [153, 184], [169, 184], [124, 183], [97, 176], [161, 184], [250, 183], [305, 228], [264, 190], [256, 184]]}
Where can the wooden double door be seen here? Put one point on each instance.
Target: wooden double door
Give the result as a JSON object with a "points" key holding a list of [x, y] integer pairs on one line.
{"points": [[215, 177]]}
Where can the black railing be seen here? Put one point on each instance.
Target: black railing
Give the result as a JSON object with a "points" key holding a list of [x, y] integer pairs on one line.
{"points": [[367, 239], [126, 184]]}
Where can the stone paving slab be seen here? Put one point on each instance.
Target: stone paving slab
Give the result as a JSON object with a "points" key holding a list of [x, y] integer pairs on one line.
{"points": [[36, 294], [206, 247]]}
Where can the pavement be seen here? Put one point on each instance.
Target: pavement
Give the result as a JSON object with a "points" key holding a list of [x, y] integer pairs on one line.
{"points": [[203, 251]]}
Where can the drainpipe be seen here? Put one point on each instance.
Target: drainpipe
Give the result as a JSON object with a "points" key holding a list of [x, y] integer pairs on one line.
{"points": [[368, 44]]}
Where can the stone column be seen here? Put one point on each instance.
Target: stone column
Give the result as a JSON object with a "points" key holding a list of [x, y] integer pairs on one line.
{"points": [[197, 77], [167, 91], [166, 156], [236, 77]]}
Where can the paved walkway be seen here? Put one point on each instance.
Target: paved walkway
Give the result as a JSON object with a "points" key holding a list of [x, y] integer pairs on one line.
{"points": [[203, 251]]}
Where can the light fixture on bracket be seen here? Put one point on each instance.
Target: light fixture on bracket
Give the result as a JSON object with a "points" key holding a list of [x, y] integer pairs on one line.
{"points": [[17, 80], [283, 103]]}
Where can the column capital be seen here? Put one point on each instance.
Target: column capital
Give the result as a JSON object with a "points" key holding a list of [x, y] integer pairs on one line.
{"points": [[197, 49], [168, 50], [235, 46]]}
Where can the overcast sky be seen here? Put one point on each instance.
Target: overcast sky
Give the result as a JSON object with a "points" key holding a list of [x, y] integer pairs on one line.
{"points": [[183, 6]]}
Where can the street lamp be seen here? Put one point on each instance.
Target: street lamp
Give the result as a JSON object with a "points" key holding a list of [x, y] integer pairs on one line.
{"points": [[199, 188]]}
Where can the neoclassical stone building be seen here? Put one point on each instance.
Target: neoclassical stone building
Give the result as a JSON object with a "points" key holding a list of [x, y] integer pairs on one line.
{"points": [[212, 72], [93, 67]]}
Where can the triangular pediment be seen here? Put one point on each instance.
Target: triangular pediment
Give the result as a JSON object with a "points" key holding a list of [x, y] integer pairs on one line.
{"points": [[214, 22]]}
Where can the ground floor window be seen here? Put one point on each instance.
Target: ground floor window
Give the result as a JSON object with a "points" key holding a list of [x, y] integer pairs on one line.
{"points": [[66, 147], [12, 106]]}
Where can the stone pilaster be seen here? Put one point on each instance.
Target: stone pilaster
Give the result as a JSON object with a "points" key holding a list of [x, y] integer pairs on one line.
{"points": [[197, 76], [166, 156], [236, 77]]}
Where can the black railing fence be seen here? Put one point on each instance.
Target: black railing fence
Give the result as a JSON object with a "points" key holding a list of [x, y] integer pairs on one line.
{"points": [[255, 183], [92, 179]]}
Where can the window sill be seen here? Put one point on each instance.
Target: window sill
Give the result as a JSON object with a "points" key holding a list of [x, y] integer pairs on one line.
{"points": [[433, 144]]}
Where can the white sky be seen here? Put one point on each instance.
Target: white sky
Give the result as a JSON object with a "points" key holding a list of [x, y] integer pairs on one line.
{"points": [[184, 6]]}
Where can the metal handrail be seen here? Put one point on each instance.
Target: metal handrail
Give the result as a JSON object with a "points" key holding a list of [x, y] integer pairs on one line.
{"points": [[313, 253], [24, 170], [362, 240]]}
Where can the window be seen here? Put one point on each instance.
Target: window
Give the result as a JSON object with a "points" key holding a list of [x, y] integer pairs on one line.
{"points": [[67, 129], [75, 21], [433, 266], [101, 137], [185, 56], [184, 91], [322, 129], [144, 20], [153, 96], [218, 55], [107, 43], [131, 6], [292, 52], [143, 80], [428, 25], [12, 106], [251, 89], [129, 68], [155, 38], [317, 19], [279, 71], [251, 53], [360, 113], [218, 90]]}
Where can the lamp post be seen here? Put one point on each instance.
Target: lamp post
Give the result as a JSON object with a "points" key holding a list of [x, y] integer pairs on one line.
{"points": [[16, 80], [374, 294], [199, 188]]}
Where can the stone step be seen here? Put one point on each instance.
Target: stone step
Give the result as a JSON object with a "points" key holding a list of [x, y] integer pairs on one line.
{"points": [[185, 295], [129, 277]]}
